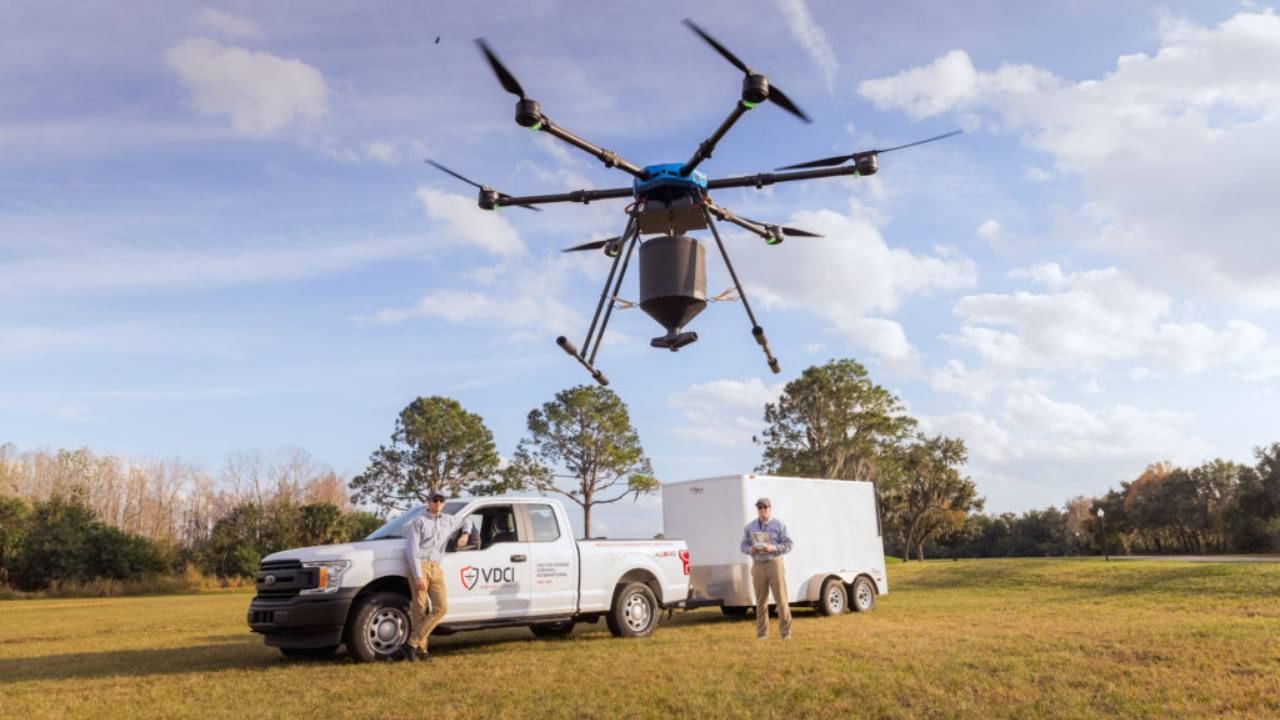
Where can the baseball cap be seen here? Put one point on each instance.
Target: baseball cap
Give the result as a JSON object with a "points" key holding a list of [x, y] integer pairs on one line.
{"points": [[436, 496], [763, 502]]}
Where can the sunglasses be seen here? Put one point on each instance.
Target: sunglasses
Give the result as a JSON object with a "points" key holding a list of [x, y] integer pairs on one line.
{"points": [[761, 507]]}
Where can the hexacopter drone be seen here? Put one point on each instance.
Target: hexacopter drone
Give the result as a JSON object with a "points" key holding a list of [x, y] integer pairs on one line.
{"points": [[669, 200]]}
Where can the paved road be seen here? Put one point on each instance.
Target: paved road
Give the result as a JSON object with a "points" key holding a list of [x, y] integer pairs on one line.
{"points": [[1202, 558]]}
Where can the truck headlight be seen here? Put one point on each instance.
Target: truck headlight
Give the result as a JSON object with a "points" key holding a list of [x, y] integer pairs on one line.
{"points": [[328, 575]]}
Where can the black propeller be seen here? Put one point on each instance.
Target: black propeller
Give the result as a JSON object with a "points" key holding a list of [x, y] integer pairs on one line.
{"points": [[774, 92], [609, 244], [593, 245], [483, 188], [504, 75], [788, 231], [838, 159]]}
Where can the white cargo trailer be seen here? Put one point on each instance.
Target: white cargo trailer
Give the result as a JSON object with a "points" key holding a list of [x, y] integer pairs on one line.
{"points": [[838, 558]]}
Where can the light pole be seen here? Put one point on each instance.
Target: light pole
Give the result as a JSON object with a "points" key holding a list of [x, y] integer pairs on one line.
{"points": [[1102, 516]]}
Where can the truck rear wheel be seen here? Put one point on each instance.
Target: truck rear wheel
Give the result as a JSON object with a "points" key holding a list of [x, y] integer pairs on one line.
{"points": [[864, 595], [832, 600], [379, 627], [634, 612]]}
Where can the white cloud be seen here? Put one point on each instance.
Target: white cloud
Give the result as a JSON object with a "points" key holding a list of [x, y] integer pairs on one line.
{"points": [[1064, 448], [1176, 149], [235, 27], [1091, 318], [261, 93], [518, 312], [955, 378], [811, 37], [850, 277], [468, 224], [118, 268], [724, 413], [383, 152]]}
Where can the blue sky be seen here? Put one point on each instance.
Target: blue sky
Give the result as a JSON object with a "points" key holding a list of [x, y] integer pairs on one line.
{"points": [[217, 233]]}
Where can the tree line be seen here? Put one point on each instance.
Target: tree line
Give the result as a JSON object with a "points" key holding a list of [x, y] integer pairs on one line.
{"points": [[69, 515]]}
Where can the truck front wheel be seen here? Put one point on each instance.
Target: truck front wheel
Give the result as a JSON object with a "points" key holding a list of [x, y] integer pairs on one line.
{"points": [[378, 627], [634, 612]]}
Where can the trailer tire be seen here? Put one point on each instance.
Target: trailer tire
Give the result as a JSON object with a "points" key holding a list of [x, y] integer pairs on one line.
{"points": [[634, 612], [378, 627], [552, 630], [320, 653], [735, 611], [833, 600], [863, 594]]}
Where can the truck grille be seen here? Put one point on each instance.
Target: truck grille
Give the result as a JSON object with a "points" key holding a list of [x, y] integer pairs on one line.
{"points": [[283, 578]]}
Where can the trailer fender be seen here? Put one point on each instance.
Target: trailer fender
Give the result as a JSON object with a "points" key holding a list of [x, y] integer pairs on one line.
{"points": [[813, 586]]}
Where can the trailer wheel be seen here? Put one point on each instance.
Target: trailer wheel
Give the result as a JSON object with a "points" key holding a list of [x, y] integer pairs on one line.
{"points": [[864, 595], [379, 627], [832, 600], [319, 653], [634, 612], [552, 630], [734, 611]]}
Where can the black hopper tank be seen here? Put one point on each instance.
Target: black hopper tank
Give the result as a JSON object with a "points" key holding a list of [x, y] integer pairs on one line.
{"points": [[673, 285]]}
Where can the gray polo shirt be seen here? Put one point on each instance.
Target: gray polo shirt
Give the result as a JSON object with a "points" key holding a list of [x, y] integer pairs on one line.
{"points": [[427, 537], [778, 537]]}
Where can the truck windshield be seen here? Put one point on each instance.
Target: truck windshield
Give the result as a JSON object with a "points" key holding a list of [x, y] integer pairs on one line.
{"points": [[395, 528]]}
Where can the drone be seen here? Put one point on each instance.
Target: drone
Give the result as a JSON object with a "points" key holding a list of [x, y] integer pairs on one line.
{"points": [[669, 200]]}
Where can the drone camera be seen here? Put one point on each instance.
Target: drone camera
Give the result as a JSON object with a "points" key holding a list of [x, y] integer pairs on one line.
{"points": [[755, 89], [528, 113]]}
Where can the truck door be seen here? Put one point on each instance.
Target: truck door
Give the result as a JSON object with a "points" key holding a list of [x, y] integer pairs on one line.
{"points": [[490, 576], [554, 554]]}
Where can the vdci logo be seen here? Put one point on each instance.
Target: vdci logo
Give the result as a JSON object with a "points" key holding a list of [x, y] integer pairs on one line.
{"points": [[470, 576]]}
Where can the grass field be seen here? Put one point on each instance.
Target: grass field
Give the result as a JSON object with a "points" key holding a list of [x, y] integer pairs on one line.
{"points": [[993, 638]]}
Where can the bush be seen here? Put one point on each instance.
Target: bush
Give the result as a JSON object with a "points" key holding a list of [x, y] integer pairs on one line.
{"points": [[63, 542]]}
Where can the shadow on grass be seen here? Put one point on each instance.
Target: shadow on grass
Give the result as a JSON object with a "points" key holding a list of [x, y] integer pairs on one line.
{"points": [[225, 652]]}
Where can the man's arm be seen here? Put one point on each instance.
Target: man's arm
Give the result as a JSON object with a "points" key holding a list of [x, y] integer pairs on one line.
{"points": [[784, 540], [411, 541], [465, 535], [746, 541]]}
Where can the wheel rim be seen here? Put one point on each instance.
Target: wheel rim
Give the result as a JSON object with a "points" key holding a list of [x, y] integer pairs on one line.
{"points": [[387, 630], [864, 596], [835, 599], [636, 612]]}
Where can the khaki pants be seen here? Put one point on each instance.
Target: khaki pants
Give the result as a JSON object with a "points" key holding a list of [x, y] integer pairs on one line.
{"points": [[422, 621], [769, 575]]}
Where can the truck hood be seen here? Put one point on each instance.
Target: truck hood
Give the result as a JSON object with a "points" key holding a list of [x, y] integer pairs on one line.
{"points": [[366, 551]]}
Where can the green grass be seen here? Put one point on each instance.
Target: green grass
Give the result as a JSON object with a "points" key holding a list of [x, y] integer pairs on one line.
{"points": [[979, 638]]}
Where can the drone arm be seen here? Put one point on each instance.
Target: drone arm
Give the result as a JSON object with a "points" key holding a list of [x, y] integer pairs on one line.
{"points": [[580, 196], [709, 145], [608, 157], [756, 331], [761, 179], [727, 216]]}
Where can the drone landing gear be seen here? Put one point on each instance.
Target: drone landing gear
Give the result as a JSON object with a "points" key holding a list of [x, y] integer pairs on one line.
{"points": [[590, 346], [756, 331], [673, 341]]}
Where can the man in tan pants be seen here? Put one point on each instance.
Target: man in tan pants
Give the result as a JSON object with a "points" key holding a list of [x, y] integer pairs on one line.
{"points": [[766, 540], [424, 549]]}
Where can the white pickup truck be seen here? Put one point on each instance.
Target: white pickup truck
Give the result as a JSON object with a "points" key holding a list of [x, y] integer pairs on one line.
{"points": [[520, 566]]}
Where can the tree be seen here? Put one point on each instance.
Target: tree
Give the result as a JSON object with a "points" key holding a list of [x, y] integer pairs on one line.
{"points": [[833, 422], [13, 532], [437, 446], [587, 432], [931, 496]]}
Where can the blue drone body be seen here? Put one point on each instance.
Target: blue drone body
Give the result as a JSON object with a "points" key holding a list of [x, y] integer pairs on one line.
{"points": [[667, 177]]}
